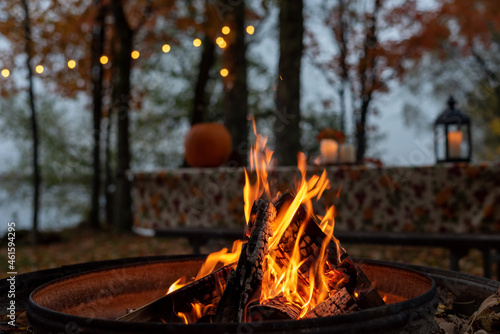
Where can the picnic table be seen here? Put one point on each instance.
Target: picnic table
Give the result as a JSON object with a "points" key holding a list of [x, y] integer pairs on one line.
{"points": [[387, 205]]}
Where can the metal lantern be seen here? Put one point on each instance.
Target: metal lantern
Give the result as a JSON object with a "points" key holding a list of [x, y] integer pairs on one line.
{"points": [[452, 136]]}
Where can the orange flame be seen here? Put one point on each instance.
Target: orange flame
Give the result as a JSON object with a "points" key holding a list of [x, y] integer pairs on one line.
{"points": [[260, 162], [197, 311], [222, 257], [286, 278]]}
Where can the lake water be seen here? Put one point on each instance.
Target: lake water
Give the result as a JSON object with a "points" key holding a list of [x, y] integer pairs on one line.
{"points": [[63, 205]]}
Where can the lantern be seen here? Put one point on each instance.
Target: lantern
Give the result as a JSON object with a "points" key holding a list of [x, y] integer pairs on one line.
{"points": [[452, 136]]}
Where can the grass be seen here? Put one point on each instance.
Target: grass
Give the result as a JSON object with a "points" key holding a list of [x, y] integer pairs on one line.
{"points": [[80, 245]]}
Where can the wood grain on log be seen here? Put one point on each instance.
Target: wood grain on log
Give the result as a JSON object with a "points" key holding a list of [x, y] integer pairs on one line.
{"points": [[245, 282], [339, 303], [277, 308]]}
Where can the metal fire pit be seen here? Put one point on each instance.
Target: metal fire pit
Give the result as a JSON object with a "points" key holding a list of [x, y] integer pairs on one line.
{"points": [[89, 303]]}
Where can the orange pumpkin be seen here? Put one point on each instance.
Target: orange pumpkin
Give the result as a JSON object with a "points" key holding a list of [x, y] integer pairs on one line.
{"points": [[207, 145]]}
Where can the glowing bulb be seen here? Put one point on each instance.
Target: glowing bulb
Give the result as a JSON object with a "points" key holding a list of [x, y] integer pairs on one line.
{"points": [[39, 69], [197, 42], [250, 30], [224, 72], [71, 64], [104, 60], [135, 54], [5, 73], [165, 48], [226, 30], [221, 42]]}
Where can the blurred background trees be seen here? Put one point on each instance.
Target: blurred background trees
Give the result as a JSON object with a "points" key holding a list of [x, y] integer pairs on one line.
{"points": [[117, 83]]}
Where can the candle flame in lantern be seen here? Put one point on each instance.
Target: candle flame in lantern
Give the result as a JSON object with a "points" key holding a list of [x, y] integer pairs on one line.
{"points": [[289, 275]]}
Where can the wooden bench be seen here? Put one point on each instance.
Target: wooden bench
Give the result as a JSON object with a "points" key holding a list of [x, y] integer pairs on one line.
{"points": [[458, 244]]}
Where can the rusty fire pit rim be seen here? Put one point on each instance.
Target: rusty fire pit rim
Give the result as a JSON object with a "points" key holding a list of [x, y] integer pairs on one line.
{"points": [[340, 323], [445, 274], [381, 312]]}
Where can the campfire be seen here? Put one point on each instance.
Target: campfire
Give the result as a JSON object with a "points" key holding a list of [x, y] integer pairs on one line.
{"points": [[291, 266]]}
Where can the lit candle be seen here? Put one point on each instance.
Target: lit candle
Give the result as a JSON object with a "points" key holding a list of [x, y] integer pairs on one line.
{"points": [[329, 151], [454, 144], [347, 155]]}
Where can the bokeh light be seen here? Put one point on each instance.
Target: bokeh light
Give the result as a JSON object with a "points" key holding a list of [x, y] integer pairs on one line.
{"points": [[71, 64], [39, 69], [197, 42], [226, 30], [165, 48], [224, 72], [135, 54], [104, 60], [250, 30], [221, 42], [5, 73]]}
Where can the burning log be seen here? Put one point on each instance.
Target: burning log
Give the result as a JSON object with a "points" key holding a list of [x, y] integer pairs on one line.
{"points": [[206, 290], [311, 241], [339, 303], [244, 283], [274, 309]]}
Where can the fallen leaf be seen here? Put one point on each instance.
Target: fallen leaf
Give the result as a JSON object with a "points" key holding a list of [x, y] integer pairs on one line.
{"points": [[487, 317]]}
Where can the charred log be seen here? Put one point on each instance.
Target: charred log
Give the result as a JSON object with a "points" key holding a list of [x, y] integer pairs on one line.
{"points": [[245, 282], [339, 303], [274, 309], [310, 245], [206, 290]]}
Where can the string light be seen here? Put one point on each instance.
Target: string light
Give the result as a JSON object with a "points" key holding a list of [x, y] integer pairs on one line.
{"points": [[135, 54], [5, 73], [71, 64], [250, 30], [224, 72], [165, 48], [104, 60], [221, 42], [197, 42], [39, 69], [226, 30]]}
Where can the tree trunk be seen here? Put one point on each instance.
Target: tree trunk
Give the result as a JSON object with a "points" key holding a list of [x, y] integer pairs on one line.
{"points": [[37, 180], [109, 182], [200, 91], [342, 41], [121, 100], [97, 77], [368, 81], [287, 123], [235, 84]]}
